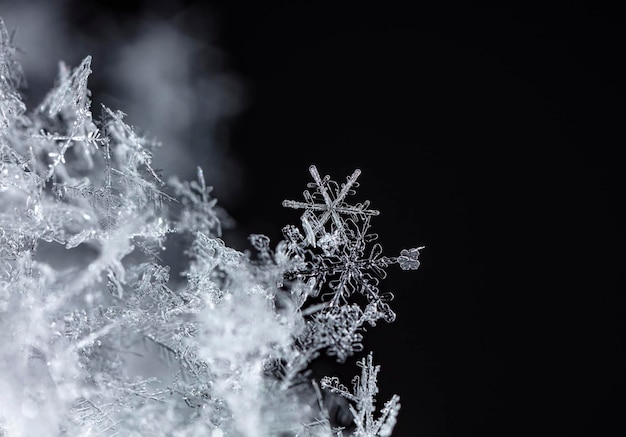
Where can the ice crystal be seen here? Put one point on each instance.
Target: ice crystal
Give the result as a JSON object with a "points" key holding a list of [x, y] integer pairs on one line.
{"points": [[338, 254], [363, 396], [101, 336]]}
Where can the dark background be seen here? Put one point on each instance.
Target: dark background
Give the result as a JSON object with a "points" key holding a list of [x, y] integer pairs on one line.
{"points": [[492, 134]]}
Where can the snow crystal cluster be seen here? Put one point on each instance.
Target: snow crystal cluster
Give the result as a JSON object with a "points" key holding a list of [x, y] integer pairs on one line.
{"points": [[100, 336]]}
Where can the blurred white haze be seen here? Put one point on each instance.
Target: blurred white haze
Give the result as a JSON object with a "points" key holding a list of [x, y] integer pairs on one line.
{"points": [[162, 70]]}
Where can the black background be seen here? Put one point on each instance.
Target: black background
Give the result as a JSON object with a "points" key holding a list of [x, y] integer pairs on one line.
{"points": [[492, 134]]}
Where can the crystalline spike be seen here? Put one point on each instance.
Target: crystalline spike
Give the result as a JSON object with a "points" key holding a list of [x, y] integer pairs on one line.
{"points": [[11, 80], [71, 92]]}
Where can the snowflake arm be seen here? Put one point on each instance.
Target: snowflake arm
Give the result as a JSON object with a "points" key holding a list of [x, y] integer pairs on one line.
{"points": [[365, 389]]}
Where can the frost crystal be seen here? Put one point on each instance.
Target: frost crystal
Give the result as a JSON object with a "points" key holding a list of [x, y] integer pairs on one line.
{"points": [[363, 395], [101, 336], [336, 252]]}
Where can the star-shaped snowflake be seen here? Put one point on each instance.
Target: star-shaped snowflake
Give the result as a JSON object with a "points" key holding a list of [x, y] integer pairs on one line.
{"points": [[326, 203]]}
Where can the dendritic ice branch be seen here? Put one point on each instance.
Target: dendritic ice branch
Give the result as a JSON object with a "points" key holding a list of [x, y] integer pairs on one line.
{"points": [[363, 394], [101, 336]]}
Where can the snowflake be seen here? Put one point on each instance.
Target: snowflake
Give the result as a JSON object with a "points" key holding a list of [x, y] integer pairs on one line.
{"points": [[329, 201], [106, 332], [337, 260]]}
